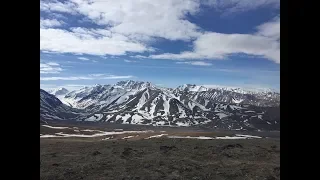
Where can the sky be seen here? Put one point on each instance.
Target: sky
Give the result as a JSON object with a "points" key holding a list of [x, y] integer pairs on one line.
{"points": [[166, 42]]}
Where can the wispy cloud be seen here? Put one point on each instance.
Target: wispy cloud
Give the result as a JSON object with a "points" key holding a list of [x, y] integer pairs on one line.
{"points": [[195, 63], [83, 58], [139, 56], [53, 64], [270, 29], [88, 41], [56, 6], [88, 77], [48, 23], [70, 87], [50, 68], [96, 75], [130, 61]]}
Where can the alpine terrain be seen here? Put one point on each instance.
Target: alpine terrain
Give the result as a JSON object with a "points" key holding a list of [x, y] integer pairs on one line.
{"points": [[135, 102]]}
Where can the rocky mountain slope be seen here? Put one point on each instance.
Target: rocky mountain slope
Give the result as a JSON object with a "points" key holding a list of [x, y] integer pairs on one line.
{"points": [[51, 108], [59, 92], [133, 102]]}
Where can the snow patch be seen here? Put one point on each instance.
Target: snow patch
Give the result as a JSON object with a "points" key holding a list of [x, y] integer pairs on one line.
{"points": [[127, 137], [136, 119], [221, 115], [166, 105], [189, 137], [96, 117], [237, 101], [91, 130], [182, 124], [249, 111], [48, 136], [156, 136], [237, 136], [248, 136], [55, 127], [161, 123]]}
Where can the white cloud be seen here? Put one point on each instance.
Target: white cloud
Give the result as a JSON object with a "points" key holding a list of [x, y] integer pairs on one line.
{"points": [[87, 41], [270, 29], [211, 45], [130, 61], [83, 58], [131, 26], [139, 56], [47, 23], [139, 19], [96, 75], [88, 77], [53, 64], [50, 68], [56, 6], [195, 63]]}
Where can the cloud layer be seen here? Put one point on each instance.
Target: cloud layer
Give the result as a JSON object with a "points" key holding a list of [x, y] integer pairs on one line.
{"points": [[211, 45], [48, 23], [88, 77], [50, 68], [133, 26], [83, 58], [195, 63]]}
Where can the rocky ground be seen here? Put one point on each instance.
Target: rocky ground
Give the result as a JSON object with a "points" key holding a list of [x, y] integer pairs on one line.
{"points": [[158, 158]]}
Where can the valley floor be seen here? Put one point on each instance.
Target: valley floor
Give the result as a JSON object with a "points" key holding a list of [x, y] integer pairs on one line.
{"points": [[157, 158]]}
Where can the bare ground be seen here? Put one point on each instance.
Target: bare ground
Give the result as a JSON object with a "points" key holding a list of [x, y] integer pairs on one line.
{"points": [[161, 158]]}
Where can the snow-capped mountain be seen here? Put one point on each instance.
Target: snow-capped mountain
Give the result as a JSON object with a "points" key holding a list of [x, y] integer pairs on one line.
{"points": [[133, 85], [51, 108], [135, 102], [192, 88], [103, 94], [202, 94], [59, 91]]}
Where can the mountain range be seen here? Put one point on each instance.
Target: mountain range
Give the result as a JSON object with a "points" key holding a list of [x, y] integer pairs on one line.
{"points": [[136, 102]]}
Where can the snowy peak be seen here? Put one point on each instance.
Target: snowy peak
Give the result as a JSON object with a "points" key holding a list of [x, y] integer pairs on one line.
{"points": [[133, 85], [59, 92], [242, 90], [192, 87]]}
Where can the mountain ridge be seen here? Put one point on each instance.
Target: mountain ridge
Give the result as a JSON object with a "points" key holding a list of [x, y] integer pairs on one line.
{"points": [[138, 102]]}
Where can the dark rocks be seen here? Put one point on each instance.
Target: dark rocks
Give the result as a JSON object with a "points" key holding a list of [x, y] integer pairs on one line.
{"points": [[232, 146], [127, 151], [167, 148], [276, 170], [95, 153]]}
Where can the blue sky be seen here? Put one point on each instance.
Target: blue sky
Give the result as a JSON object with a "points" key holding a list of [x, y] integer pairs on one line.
{"points": [[167, 42]]}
